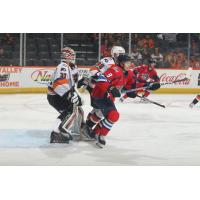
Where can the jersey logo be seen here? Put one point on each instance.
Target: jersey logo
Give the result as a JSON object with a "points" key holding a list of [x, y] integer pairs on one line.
{"points": [[145, 76]]}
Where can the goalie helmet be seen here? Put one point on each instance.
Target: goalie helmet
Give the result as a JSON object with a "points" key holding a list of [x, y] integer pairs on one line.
{"points": [[68, 55], [105, 64], [116, 51]]}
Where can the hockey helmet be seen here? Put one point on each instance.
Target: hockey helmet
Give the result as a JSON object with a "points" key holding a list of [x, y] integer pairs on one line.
{"points": [[116, 51], [68, 55], [105, 64]]}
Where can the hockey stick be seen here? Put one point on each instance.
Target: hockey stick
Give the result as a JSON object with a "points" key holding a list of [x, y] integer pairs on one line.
{"points": [[147, 87], [176, 81], [150, 101], [134, 90]]}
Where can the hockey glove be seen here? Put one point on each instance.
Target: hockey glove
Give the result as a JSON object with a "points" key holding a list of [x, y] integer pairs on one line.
{"points": [[83, 82], [114, 91], [153, 86]]}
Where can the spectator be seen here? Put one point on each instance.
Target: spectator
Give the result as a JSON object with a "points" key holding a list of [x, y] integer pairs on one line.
{"points": [[118, 43], [148, 42], [146, 56], [181, 56], [140, 45], [194, 63], [1, 51], [169, 59], [194, 48], [8, 39], [157, 57], [136, 56], [105, 49], [179, 61], [94, 37]]}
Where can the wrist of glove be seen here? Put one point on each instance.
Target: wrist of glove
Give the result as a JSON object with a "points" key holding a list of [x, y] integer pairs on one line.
{"points": [[114, 91], [82, 82], [153, 86]]}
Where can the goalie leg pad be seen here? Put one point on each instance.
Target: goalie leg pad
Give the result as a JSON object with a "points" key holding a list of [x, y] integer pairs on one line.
{"points": [[67, 124]]}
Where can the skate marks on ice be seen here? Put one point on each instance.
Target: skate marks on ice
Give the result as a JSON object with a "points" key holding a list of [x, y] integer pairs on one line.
{"points": [[145, 135], [20, 138], [32, 147]]}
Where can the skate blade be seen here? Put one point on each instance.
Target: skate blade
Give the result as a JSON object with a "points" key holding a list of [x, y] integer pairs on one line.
{"points": [[101, 146], [59, 142], [82, 137]]}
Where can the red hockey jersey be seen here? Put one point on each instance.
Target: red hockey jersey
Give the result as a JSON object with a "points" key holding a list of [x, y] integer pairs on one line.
{"points": [[146, 73], [113, 77]]}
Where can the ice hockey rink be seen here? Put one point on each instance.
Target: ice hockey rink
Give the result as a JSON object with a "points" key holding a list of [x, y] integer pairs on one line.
{"points": [[145, 134]]}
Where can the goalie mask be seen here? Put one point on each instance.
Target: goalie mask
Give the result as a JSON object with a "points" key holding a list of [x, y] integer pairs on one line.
{"points": [[105, 64], [68, 55], [116, 51]]}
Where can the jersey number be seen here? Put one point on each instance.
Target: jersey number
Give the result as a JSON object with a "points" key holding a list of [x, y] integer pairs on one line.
{"points": [[109, 75]]}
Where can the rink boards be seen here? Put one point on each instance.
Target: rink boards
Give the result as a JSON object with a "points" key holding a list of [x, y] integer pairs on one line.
{"points": [[34, 79]]}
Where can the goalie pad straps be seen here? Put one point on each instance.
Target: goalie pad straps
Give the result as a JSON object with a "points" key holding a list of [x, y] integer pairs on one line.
{"points": [[67, 123]]}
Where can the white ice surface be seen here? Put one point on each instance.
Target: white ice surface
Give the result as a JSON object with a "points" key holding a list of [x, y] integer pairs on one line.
{"points": [[145, 134]]}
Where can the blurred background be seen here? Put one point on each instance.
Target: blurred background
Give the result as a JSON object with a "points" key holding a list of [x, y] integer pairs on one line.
{"points": [[169, 50]]}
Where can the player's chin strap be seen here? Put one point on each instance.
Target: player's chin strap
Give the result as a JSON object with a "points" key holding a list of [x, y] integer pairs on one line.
{"points": [[150, 101]]}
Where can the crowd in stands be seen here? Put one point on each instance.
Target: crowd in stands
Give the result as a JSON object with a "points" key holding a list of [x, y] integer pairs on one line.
{"points": [[169, 50], [7, 45]]}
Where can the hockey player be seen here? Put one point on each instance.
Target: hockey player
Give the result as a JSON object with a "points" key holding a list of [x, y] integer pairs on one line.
{"points": [[195, 101], [106, 63], [63, 97], [116, 51], [144, 76], [104, 115]]}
